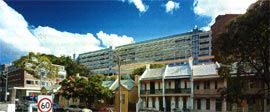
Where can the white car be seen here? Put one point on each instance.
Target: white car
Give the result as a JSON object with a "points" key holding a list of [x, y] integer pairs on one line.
{"points": [[85, 110], [75, 108], [72, 108]]}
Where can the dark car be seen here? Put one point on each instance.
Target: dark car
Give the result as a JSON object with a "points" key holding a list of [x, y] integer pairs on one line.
{"points": [[57, 108]]}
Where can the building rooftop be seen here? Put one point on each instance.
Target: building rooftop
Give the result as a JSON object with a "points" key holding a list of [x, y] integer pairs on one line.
{"points": [[204, 70], [107, 83], [151, 74], [164, 38], [127, 83], [182, 71], [177, 72]]}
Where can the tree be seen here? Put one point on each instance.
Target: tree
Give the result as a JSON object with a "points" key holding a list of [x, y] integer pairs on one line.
{"points": [[73, 87], [244, 48], [137, 71], [31, 61], [34, 64], [95, 91], [71, 66], [88, 89]]}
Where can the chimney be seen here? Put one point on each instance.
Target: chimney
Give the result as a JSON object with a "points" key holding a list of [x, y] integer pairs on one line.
{"points": [[148, 66], [190, 62], [136, 79]]}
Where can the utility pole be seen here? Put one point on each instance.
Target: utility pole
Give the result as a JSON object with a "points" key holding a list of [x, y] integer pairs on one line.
{"points": [[119, 82], [117, 56]]}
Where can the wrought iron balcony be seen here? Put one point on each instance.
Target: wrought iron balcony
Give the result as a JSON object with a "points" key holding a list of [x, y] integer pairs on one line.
{"points": [[155, 91], [178, 91]]}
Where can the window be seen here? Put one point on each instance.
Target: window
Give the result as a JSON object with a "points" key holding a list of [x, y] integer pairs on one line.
{"points": [[36, 82], [206, 48], [218, 104], [169, 85], [206, 85], [145, 87], [197, 86], [176, 102], [29, 82], [146, 100], [207, 42], [199, 104], [123, 98], [153, 102], [185, 84], [184, 103], [216, 85], [207, 104], [44, 83], [252, 84]]}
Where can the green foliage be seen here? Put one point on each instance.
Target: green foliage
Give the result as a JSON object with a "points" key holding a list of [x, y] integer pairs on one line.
{"points": [[71, 66], [32, 60], [110, 78], [137, 71], [35, 63], [153, 66], [244, 48], [89, 89]]}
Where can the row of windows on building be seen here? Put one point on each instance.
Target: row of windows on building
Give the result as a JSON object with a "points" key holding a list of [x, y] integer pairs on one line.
{"points": [[33, 82], [200, 104], [186, 84], [207, 104]]}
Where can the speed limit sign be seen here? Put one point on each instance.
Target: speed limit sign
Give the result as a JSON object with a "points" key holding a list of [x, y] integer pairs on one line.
{"points": [[45, 103]]}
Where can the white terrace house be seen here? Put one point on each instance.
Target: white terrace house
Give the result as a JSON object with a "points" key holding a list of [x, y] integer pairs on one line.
{"points": [[180, 88], [151, 92]]}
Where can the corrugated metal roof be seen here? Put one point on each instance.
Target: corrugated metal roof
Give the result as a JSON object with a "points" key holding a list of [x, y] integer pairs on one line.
{"points": [[128, 84], [107, 83], [202, 70], [183, 71], [151, 74]]}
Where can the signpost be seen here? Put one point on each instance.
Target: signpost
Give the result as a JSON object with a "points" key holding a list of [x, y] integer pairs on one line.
{"points": [[45, 103]]}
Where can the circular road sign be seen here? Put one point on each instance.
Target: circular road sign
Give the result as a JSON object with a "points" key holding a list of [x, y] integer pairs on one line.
{"points": [[45, 105]]}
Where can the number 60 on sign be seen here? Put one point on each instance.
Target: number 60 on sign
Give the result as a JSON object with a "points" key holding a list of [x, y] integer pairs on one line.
{"points": [[44, 103]]}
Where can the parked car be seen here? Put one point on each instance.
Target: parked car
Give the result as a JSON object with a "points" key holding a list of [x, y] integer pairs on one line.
{"points": [[72, 108], [84, 109], [75, 108], [57, 108]]}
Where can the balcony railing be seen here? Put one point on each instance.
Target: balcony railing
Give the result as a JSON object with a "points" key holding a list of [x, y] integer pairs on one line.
{"points": [[178, 91], [156, 91], [168, 91], [206, 91]]}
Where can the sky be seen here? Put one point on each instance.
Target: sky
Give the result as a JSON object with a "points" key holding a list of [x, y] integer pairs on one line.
{"points": [[65, 27]]}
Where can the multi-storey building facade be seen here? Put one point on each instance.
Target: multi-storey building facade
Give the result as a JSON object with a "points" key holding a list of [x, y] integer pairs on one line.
{"points": [[151, 89], [21, 83], [97, 59], [177, 82], [167, 50], [207, 89], [178, 88]]}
